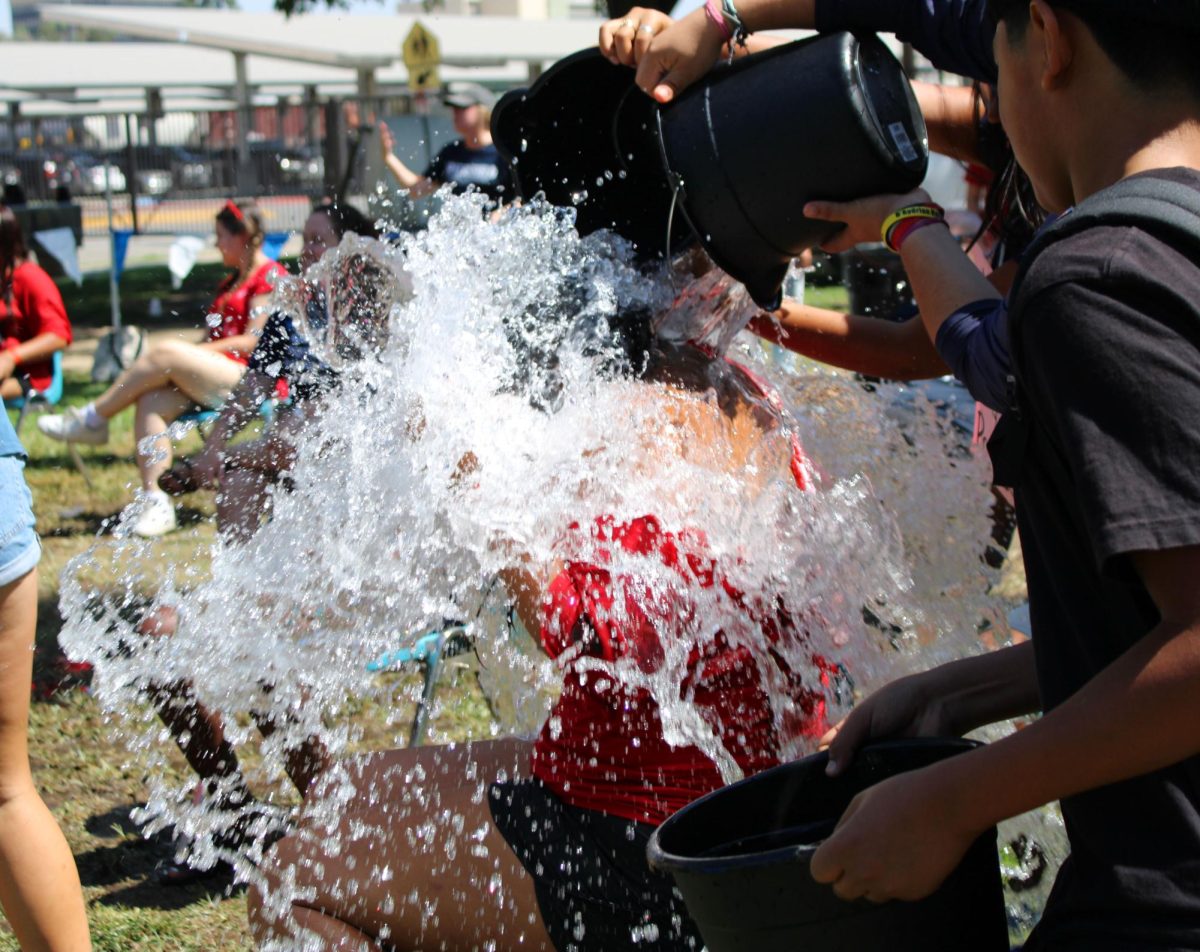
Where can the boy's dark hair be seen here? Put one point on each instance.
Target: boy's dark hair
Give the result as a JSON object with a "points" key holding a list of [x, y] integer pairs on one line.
{"points": [[345, 218], [1153, 42]]}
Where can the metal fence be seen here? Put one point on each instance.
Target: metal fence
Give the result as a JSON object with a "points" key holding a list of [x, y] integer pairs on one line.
{"points": [[169, 174]]}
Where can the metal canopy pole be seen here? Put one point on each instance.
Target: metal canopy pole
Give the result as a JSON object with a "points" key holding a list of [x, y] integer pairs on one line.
{"points": [[245, 168], [114, 293]]}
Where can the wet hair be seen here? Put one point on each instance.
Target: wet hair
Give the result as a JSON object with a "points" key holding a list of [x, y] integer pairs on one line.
{"points": [[624, 346], [346, 219], [13, 249], [243, 217], [1153, 45], [565, 318], [1011, 212]]}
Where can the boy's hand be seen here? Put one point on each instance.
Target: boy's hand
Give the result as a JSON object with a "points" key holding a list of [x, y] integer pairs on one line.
{"points": [[863, 218], [896, 840], [679, 56], [904, 708], [624, 41]]}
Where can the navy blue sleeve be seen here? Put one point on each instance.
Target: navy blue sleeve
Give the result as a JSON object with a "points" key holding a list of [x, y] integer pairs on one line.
{"points": [[954, 35], [973, 341], [437, 168]]}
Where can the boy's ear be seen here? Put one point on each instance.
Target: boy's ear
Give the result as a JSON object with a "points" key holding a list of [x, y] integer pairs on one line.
{"points": [[1056, 43]]}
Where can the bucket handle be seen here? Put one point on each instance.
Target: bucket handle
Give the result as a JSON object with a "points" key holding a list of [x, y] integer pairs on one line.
{"points": [[676, 181]]}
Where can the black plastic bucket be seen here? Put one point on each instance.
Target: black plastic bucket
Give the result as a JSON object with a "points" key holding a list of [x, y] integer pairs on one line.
{"points": [[586, 137], [830, 117], [740, 857]]}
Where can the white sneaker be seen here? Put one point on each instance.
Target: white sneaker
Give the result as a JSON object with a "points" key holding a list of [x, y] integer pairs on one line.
{"points": [[156, 516], [72, 427]]}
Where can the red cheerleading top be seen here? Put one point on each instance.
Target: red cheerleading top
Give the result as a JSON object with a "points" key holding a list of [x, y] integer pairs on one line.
{"points": [[232, 304], [34, 307], [602, 748]]}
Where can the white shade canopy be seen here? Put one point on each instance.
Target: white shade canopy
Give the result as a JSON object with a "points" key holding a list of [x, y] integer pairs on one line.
{"points": [[353, 42]]}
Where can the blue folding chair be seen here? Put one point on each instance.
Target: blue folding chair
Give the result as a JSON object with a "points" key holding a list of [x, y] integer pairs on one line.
{"points": [[32, 398], [41, 400], [203, 418], [428, 651]]}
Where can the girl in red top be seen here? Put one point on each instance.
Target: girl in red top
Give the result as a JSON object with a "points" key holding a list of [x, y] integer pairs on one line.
{"points": [[33, 321], [175, 376], [507, 843]]}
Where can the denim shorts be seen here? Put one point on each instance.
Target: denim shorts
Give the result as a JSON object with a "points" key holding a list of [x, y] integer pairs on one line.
{"points": [[20, 548]]}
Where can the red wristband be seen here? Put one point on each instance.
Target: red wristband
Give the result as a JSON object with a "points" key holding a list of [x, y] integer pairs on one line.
{"points": [[903, 229]]}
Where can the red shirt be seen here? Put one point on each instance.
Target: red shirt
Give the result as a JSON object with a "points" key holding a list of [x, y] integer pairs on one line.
{"points": [[34, 307], [233, 305], [602, 748]]}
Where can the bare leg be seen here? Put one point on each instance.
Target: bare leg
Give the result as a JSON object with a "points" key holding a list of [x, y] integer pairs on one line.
{"points": [[429, 869], [242, 502], [39, 885], [250, 469], [156, 410], [305, 762], [204, 376], [198, 732]]}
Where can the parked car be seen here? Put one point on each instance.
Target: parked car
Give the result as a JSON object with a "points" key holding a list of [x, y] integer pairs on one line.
{"points": [[163, 168], [80, 172], [282, 166]]}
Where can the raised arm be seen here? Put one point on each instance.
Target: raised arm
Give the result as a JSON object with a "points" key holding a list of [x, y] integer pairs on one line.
{"points": [[417, 185]]}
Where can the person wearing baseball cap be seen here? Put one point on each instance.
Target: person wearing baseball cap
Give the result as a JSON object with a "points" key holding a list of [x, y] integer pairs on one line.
{"points": [[470, 162]]}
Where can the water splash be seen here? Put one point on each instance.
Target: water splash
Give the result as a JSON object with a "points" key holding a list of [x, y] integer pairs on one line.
{"points": [[477, 421]]}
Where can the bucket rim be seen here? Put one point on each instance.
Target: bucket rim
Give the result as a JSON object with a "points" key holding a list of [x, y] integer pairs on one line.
{"points": [[662, 861]]}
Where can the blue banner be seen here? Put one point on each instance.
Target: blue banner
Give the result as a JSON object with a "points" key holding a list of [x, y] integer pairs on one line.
{"points": [[119, 248], [273, 242]]}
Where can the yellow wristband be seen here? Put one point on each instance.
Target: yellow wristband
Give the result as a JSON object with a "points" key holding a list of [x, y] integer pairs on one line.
{"points": [[909, 211]]}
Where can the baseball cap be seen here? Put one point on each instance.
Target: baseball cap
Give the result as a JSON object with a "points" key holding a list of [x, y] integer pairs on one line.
{"points": [[465, 95]]}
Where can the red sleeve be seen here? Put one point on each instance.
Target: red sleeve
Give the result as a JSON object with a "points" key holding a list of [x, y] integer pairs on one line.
{"points": [[41, 302], [264, 281], [561, 614]]}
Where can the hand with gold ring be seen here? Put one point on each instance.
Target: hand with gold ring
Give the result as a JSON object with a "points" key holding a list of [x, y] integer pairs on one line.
{"points": [[624, 41]]}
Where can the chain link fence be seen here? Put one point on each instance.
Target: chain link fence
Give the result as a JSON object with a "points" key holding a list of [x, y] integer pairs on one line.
{"points": [[169, 174]]}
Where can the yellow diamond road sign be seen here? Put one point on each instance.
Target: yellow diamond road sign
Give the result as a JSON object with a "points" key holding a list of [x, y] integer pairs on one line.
{"points": [[421, 57]]}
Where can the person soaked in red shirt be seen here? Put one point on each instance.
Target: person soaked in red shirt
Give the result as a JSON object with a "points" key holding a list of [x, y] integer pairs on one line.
{"points": [[542, 844]]}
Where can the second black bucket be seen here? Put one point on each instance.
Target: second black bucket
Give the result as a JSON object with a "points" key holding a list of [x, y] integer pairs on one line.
{"points": [[831, 117], [740, 857]]}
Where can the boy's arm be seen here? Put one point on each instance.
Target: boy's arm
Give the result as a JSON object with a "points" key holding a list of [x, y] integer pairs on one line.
{"points": [[868, 345], [901, 838], [949, 700]]}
